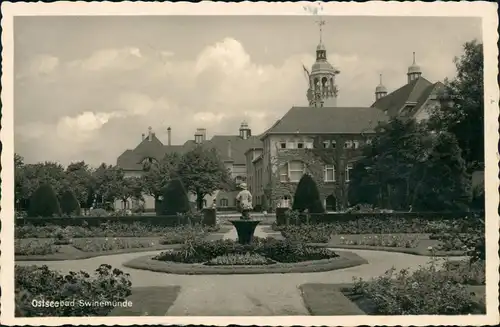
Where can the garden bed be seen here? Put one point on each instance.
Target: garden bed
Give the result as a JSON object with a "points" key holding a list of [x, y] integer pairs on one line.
{"points": [[343, 260]]}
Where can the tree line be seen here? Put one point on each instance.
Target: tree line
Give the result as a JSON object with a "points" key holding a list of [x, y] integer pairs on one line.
{"points": [[200, 170]]}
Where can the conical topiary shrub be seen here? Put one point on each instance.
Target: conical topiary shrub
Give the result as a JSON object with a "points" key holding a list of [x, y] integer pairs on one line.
{"points": [[44, 202], [175, 198], [69, 203], [307, 196]]}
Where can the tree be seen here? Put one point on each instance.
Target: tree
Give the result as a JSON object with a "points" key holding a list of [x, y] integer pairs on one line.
{"points": [[202, 172], [462, 106], [78, 177], [132, 188], [108, 182], [175, 198], [447, 184], [69, 203], [44, 202], [159, 174], [307, 196]]}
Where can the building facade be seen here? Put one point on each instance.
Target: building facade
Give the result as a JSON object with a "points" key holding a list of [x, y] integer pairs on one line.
{"points": [[322, 139]]}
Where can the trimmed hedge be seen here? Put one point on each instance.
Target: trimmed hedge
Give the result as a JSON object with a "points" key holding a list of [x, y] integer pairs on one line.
{"points": [[329, 218], [208, 218]]}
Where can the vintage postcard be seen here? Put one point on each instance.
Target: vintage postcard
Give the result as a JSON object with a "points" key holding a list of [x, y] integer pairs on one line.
{"points": [[249, 163]]}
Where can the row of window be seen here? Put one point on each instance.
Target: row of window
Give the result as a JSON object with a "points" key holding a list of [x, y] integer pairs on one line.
{"points": [[294, 170], [328, 144]]}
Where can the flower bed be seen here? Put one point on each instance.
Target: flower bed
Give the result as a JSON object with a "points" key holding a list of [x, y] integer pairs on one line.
{"points": [[399, 241], [428, 290], [199, 251], [238, 259], [35, 247], [114, 229], [110, 244], [35, 284]]}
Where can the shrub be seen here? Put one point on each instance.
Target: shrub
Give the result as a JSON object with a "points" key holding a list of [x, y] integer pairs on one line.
{"points": [[44, 203], [34, 283], [307, 196], [35, 247], [200, 251], [426, 291], [98, 212], [307, 233], [175, 199], [110, 244], [69, 203], [239, 260]]}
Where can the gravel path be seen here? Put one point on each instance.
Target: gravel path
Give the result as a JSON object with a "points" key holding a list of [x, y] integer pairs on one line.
{"points": [[242, 295]]}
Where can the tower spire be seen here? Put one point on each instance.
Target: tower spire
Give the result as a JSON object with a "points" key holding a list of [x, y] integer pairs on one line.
{"points": [[320, 23], [414, 58], [381, 79]]}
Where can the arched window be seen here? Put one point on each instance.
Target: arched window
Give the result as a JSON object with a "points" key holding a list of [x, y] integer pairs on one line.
{"points": [[324, 82], [224, 203]]}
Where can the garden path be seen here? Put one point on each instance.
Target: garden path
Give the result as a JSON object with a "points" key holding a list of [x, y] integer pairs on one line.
{"points": [[240, 295]]}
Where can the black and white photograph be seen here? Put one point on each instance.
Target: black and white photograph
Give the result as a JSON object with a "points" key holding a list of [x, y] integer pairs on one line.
{"points": [[250, 163]]}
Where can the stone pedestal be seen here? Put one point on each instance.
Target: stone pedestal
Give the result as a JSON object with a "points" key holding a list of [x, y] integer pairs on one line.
{"points": [[245, 230]]}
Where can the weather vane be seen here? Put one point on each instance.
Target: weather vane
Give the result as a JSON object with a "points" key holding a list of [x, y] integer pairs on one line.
{"points": [[316, 11]]}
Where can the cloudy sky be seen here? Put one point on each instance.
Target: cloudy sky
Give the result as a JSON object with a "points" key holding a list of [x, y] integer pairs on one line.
{"points": [[86, 88]]}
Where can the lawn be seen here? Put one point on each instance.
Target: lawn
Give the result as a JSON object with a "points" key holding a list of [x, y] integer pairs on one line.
{"points": [[148, 301]]}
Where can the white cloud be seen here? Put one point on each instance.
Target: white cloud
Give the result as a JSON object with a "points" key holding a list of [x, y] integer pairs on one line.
{"points": [[44, 64], [106, 100]]}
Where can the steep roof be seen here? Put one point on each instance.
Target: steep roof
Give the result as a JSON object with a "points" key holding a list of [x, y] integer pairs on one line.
{"points": [[328, 120], [154, 148], [417, 91]]}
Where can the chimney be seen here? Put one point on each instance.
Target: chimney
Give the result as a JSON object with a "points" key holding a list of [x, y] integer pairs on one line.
{"points": [[143, 136], [198, 136], [202, 133], [169, 135], [150, 134], [229, 153]]}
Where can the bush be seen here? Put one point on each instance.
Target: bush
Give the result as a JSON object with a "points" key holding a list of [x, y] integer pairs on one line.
{"points": [[69, 203], [34, 283], [175, 198], [200, 251], [44, 203], [426, 291], [307, 196], [110, 244], [35, 247]]}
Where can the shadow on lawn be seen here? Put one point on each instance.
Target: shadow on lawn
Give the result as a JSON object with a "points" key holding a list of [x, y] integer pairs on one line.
{"points": [[148, 301]]}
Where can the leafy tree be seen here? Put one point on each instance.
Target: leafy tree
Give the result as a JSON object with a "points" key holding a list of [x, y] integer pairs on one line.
{"points": [[78, 177], [202, 172], [108, 182], [44, 202], [462, 105], [447, 184], [132, 188], [307, 196], [69, 203], [31, 176], [159, 174], [175, 198]]}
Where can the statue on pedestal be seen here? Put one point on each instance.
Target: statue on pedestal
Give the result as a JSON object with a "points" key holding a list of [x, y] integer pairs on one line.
{"points": [[244, 199]]}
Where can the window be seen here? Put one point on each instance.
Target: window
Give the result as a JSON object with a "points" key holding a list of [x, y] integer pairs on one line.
{"points": [[309, 145], [284, 173], [224, 203], [355, 144], [348, 144], [295, 170], [285, 202], [334, 143], [348, 169], [329, 173], [283, 145], [326, 144], [300, 145]]}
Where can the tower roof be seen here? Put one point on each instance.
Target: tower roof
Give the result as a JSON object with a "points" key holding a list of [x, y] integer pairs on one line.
{"points": [[414, 68], [381, 88]]}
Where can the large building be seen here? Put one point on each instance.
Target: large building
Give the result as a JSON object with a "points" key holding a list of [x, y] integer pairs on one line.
{"points": [[321, 139]]}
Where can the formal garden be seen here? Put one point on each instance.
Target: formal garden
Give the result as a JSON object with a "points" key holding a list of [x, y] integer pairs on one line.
{"points": [[182, 260]]}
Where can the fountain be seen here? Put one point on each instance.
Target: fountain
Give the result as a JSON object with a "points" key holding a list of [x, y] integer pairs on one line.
{"points": [[245, 227]]}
